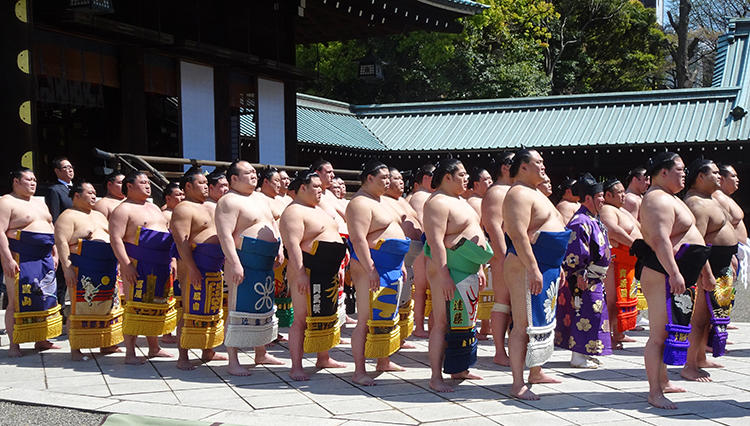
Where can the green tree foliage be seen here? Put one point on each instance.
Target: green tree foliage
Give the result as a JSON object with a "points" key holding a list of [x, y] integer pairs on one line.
{"points": [[605, 46], [516, 48]]}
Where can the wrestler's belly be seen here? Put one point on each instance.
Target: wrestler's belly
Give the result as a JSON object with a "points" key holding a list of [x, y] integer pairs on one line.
{"points": [[391, 231], [692, 236], [326, 236], [98, 235], [262, 231], [40, 226], [471, 234], [207, 236], [724, 237]]}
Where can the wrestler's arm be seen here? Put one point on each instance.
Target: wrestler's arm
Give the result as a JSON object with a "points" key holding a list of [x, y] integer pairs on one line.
{"points": [[179, 227], [418, 208], [64, 228], [517, 210], [614, 230], [100, 207], [226, 218], [118, 222], [435, 226], [659, 222], [292, 229], [358, 219], [10, 267]]}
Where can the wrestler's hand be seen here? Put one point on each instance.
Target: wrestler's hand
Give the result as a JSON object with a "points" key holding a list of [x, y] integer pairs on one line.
{"points": [[448, 288], [482, 279], [708, 284], [303, 284], [279, 259], [70, 278], [234, 273], [677, 283], [10, 269], [129, 274], [535, 280], [195, 277], [173, 268], [374, 279]]}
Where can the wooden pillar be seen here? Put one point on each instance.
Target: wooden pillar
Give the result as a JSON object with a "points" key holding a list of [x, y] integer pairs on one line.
{"points": [[134, 136], [18, 98]]}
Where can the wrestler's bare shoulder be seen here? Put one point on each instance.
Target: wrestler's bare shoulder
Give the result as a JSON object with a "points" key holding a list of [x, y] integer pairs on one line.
{"points": [[496, 193], [361, 200], [418, 198], [658, 199], [523, 195]]}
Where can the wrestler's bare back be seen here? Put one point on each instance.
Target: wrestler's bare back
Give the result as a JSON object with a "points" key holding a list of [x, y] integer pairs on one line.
{"points": [[683, 229], [317, 225], [475, 201], [384, 222], [567, 209], [31, 215], [146, 215], [254, 216], [632, 203], [463, 220], [736, 214]]}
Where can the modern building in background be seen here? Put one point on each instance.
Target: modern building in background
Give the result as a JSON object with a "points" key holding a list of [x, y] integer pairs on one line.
{"points": [[658, 5]]}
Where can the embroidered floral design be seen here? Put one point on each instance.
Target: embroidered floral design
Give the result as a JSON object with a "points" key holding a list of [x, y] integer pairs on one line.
{"points": [[571, 342], [605, 326], [561, 300], [266, 294], [558, 338], [600, 240], [550, 303], [572, 237], [683, 302], [572, 260], [566, 320], [583, 324], [594, 347], [598, 306], [577, 303]]}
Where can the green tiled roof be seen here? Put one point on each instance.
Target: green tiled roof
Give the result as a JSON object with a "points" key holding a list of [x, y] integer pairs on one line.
{"points": [[650, 117]]}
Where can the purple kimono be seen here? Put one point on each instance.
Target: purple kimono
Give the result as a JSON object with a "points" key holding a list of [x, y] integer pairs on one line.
{"points": [[582, 319]]}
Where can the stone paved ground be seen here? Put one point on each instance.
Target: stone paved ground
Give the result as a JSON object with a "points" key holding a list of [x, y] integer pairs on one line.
{"points": [[614, 393]]}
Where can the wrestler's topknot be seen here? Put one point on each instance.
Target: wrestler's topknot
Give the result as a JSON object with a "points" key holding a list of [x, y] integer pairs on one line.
{"points": [[446, 166], [698, 166], [661, 161]]}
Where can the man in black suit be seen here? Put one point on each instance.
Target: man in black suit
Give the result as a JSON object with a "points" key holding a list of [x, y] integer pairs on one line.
{"points": [[58, 198]]}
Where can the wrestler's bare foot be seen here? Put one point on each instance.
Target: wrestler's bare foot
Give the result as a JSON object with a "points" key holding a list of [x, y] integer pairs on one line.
{"points": [[238, 370], [45, 345], [280, 338], [523, 392], [268, 359], [212, 355], [350, 320], [501, 359], [466, 375], [421, 333], [541, 377], [110, 350], [439, 385], [135, 360], [407, 345], [298, 375], [625, 339], [168, 338], [732, 327], [185, 364], [661, 401], [709, 364], [670, 388], [14, 351], [363, 379], [343, 341], [481, 336], [328, 363], [695, 374], [76, 355], [388, 365], [161, 353]]}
